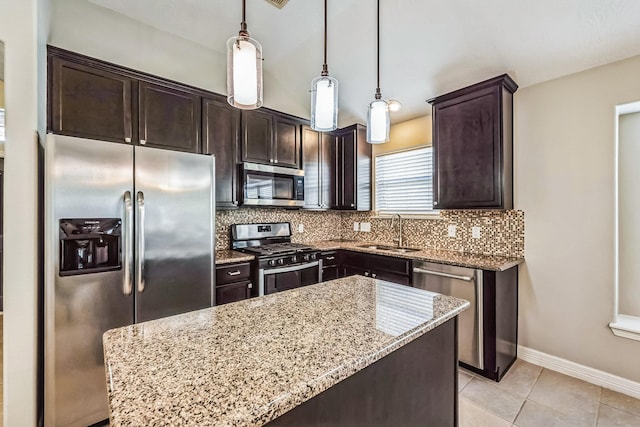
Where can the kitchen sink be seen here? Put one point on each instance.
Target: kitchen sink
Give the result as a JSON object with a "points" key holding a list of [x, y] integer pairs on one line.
{"points": [[390, 248]]}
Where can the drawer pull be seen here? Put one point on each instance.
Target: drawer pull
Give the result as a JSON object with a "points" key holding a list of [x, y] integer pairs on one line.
{"points": [[329, 258], [233, 273]]}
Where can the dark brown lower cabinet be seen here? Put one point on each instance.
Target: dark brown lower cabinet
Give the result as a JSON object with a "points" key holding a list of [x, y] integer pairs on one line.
{"points": [[392, 269], [233, 282], [330, 265], [416, 385], [233, 292]]}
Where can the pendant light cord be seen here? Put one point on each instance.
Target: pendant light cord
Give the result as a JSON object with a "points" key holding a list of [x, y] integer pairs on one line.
{"points": [[378, 94], [243, 24], [325, 68]]}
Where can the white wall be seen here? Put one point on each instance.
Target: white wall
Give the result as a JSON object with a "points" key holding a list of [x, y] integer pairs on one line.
{"points": [[564, 164], [23, 27], [83, 27]]}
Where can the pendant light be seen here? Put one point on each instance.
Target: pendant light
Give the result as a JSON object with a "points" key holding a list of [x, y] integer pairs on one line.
{"points": [[378, 121], [244, 69], [324, 94]]}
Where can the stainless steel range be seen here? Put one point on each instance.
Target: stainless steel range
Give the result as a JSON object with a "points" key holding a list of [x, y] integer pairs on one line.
{"points": [[281, 265]]}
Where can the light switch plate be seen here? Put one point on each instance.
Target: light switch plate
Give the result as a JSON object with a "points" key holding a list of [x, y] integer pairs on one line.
{"points": [[356, 226], [475, 232], [451, 230], [365, 226], [301, 228]]}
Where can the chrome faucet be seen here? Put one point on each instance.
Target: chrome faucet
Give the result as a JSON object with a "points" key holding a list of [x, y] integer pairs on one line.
{"points": [[399, 238]]}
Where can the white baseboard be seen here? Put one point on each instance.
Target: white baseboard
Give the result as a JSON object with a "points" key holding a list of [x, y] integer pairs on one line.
{"points": [[585, 373]]}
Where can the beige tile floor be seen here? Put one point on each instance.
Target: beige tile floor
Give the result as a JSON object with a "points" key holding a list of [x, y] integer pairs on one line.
{"points": [[530, 396]]}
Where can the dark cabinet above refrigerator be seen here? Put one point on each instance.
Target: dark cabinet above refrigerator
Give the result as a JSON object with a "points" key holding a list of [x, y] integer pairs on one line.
{"points": [[93, 99]]}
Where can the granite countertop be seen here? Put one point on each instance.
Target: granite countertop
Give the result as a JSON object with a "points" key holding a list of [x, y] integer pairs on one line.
{"points": [[246, 363], [483, 262], [227, 256]]}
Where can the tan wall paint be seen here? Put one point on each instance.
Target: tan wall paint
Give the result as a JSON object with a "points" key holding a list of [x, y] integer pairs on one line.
{"points": [[628, 208], [564, 165], [1, 94], [411, 133], [23, 29], [83, 27]]}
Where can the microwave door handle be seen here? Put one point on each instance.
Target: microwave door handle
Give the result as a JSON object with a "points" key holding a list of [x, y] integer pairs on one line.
{"points": [[140, 240], [127, 285]]}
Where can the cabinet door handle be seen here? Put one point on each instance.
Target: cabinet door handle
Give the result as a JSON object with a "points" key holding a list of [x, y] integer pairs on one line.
{"points": [[250, 285], [233, 273], [373, 275], [275, 161], [143, 141], [127, 139], [435, 202], [352, 205], [270, 160], [366, 273]]}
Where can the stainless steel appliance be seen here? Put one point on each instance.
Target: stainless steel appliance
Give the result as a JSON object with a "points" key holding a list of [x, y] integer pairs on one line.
{"points": [[264, 185], [129, 238], [281, 265], [460, 282]]}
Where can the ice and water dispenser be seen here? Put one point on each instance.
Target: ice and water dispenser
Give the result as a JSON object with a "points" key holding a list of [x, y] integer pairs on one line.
{"points": [[90, 245]]}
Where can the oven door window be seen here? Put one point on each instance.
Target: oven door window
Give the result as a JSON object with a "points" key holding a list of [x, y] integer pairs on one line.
{"points": [[269, 187], [279, 282]]}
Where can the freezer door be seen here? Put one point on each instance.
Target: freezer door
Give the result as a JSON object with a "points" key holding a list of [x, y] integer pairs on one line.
{"points": [[175, 232], [84, 179]]}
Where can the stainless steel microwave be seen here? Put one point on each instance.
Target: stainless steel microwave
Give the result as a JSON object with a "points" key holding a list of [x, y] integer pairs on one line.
{"points": [[264, 185]]}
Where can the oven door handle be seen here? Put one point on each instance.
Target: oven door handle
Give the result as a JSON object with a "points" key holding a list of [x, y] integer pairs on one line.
{"points": [[289, 269]]}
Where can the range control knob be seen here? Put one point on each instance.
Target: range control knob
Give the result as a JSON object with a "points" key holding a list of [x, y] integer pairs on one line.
{"points": [[271, 262], [306, 257], [281, 261], [294, 258]]}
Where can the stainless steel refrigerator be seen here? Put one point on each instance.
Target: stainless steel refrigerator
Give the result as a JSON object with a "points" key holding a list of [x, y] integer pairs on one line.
{"points": [[130, 235]]}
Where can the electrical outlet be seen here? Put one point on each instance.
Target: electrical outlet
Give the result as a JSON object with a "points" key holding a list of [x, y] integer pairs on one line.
{"points": [[451, 230], [300, 228], [356, 226], [365, 226], [475, 232]]}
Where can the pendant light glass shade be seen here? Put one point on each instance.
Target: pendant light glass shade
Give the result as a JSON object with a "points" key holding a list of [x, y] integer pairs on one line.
{"points": [[378, 122], [324, 94], [324, 104], [244, 73]]}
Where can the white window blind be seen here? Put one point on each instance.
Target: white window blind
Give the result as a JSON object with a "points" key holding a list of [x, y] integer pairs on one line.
{"points": [[404, 182]]}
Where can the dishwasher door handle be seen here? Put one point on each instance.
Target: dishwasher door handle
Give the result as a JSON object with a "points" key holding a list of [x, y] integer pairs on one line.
{"points": [[442, 274]]}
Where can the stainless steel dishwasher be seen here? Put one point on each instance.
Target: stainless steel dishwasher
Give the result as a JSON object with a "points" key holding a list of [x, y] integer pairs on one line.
{"points": [[459, 282]]}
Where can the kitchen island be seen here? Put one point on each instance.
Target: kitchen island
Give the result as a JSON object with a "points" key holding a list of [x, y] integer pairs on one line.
{"points": [[352, 351]]}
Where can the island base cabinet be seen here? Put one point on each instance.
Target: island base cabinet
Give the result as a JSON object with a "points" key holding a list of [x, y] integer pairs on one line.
{"points": [[415, 385]]}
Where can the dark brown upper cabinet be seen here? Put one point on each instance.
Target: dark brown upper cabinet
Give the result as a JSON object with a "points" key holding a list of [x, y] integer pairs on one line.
{"points": [[318, 150], [221, 135], [270, 138], [352, 165], [473, 146], [89, 98], [169, 118], [90, 102]]}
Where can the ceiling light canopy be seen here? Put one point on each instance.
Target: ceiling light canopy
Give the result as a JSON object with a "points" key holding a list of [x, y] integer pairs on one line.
{"points": [[244, 69], [378, 120], [324, 94]]}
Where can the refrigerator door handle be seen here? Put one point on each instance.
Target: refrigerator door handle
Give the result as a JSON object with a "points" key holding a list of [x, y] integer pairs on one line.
{"points": [[127, 285], [140, 242]]}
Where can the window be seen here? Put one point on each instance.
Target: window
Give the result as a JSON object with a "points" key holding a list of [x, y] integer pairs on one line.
{"points": [[404, 182]]}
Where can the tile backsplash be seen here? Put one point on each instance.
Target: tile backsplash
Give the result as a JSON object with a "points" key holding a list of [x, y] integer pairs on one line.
{"points": [[501, 232]]}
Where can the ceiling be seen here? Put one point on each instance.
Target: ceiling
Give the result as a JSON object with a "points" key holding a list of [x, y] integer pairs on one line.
{"points": [[427, 47]]}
